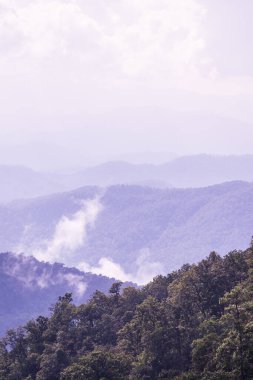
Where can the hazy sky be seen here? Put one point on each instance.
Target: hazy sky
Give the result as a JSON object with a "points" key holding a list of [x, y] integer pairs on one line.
{"points": [[105, 77]]}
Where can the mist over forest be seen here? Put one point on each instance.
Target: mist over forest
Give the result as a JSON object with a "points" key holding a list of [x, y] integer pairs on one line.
{"points": [[126, 190]]}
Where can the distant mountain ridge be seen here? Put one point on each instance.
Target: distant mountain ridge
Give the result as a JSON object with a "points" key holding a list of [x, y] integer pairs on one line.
{"points": [[187, 171], [19, 182], [183, 172]]}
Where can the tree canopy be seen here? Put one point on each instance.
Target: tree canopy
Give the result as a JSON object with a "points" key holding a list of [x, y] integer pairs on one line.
{"points": [[193, 324]]}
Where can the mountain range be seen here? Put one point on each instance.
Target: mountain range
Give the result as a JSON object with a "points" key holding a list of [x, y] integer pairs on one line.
{"points": [[130, 232], [183, 172]]}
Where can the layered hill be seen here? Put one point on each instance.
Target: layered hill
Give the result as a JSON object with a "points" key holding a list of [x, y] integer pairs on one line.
{"points": [[21, 182], [188, 171], [144, 230], [29, 287], [183, 172]]}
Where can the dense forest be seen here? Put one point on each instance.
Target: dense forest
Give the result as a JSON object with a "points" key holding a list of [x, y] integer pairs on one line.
{"points": [[195, 323]]}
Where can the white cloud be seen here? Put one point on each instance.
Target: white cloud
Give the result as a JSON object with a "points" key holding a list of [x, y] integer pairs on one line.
{"points": [[162, 39], [70, 233], [153, 43], [146, 269], [44, 28], [64, 61], [136, 39], [106, 267], [76, 282]]}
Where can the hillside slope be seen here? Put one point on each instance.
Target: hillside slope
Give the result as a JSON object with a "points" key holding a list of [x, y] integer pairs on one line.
{"points": [[192, 324], [140, 228], [29, 287]]}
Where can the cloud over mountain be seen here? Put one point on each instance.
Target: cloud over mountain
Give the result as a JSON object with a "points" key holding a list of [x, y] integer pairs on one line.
{"points": [[70, 233]]}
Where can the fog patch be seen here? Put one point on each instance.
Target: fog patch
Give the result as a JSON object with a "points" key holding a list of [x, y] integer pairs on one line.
{"points": [[70, 233], [146, 269]]}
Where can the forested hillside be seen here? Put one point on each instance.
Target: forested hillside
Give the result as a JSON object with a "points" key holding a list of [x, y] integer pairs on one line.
{"points": [[168, 226], [29, 287], [193, 324]]}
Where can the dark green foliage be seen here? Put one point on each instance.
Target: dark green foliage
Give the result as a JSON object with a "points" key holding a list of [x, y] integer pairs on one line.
{"points": [[194, 324], [99, 364]]}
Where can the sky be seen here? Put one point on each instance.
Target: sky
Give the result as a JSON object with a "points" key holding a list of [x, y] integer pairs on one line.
{"points": [[87, 81]]}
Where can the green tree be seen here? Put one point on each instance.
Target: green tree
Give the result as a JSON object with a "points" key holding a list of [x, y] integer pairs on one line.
{"points": [[99, 365]]}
